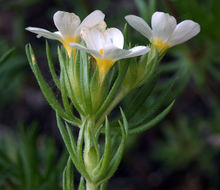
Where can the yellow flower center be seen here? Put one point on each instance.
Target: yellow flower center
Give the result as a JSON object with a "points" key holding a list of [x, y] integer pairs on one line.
{"points": [[66, 41], [103, 65], [161, 45]]}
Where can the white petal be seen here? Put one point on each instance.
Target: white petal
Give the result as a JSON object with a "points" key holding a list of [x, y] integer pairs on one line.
{"points": [[140, 25], [163, 25], [114, 53], [184, 31], [137, 51], [114, 36], [44, 33], [101, 26], [93, 37], [91, 51], [93, 19], [66, 23]]}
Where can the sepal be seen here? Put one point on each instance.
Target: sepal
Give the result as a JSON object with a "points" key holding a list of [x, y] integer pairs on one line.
{"points": [[140, 71], [113, 90]]}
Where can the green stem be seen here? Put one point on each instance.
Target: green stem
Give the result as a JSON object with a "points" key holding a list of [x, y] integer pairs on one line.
{"points": [[88, 142], [91, 149], [117, 99], [90, 186]]}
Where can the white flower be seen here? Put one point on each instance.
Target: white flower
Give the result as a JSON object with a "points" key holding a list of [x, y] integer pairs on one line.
{"points": [[165, 31], [69, 27], [106, 46]]}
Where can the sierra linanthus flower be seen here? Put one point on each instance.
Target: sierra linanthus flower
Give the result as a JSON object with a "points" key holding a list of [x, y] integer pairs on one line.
{"points": [[106, 46], [165, 31], [69, 27]]}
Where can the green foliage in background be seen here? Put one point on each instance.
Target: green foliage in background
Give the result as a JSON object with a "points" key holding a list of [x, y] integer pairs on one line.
{"points": [[12, 77], [188, 143], [29, 161]]}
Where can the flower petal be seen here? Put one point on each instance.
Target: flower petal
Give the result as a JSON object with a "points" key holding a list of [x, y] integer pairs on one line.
{"points": [[44, 33], [163, 25], [140, 25], [93, 37], [184, 31], [66, 23], [137, 51], [94, 53], [114, 53], [93, 19], [114, 36]]}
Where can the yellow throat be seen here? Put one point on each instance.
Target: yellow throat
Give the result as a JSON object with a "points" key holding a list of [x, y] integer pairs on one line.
{"points": [[103, 65], [161, 45], [66, 41]]}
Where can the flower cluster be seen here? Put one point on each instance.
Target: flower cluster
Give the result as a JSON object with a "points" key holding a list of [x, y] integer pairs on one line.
{"points": [[106, 45]]}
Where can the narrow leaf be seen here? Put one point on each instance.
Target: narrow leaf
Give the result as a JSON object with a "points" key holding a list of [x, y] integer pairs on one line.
{"points": [[107, 152], [113, 165], [68, 176], [153, 122], [141, 96], [69, 148], [6, 55], [71, 138], [82, 184], [84, 81], [156, 105], [46, 90], [51, 66], [80, 146], [64, 96]]}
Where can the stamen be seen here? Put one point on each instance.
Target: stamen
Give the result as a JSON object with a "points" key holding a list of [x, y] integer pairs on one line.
{"points": [[101, 51]]}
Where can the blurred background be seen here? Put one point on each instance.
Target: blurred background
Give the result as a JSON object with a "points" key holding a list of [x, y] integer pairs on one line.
{"points": [[181, 153]]}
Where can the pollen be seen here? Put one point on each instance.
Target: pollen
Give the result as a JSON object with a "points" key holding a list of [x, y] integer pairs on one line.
{"points": [[101, 51]]}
